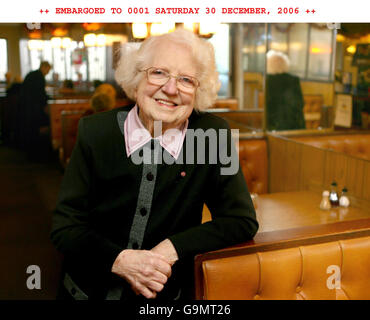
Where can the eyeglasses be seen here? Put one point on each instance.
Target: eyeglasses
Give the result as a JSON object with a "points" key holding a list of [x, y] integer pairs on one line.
{"points": [[160, 77]]}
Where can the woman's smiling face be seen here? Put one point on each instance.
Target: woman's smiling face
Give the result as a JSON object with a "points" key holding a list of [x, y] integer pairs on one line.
{"points": [[167, 103]]}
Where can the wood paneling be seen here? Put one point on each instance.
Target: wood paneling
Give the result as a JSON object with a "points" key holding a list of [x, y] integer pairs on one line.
{"points": [[319, 88], [366, 181], [297, 166]]}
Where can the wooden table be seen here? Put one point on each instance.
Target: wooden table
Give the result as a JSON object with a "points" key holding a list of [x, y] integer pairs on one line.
{"points": [[286, 210], [288, 218]]}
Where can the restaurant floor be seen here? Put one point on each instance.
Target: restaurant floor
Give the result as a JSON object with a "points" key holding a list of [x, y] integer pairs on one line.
{"points": [[28, 193]]}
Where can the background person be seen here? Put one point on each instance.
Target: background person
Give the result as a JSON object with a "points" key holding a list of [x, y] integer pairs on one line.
{"points": [[284, 98], [33, 116]]}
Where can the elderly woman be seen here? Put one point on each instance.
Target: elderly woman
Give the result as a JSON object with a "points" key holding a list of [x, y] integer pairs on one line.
{"points": [[130, 231]]}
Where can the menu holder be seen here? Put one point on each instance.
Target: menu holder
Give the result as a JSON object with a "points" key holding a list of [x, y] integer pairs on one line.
{"points": [[343, 112]]}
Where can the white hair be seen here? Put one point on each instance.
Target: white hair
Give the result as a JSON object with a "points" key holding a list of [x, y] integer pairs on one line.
{"points": [[136, 56], [277, 62]]}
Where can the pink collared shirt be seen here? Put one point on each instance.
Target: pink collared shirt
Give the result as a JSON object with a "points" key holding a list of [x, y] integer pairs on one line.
{"points": [[136, 135]]}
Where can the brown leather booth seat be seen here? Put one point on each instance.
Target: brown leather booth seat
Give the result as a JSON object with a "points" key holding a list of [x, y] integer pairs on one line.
{"points": [[69, 121], [253, 161], [298, 273], [357, 145], [56, 109]]}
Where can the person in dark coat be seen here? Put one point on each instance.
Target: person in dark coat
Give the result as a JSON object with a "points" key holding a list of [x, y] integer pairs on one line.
{"points": [[129, 229], [284, 99], [33, 116]]}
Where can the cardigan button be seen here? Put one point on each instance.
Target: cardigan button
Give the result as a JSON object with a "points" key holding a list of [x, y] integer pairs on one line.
{"points": [[150, 176], [143, 212]]}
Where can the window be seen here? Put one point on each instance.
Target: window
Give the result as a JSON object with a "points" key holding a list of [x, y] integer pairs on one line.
{"points": [[97, 63], [279, 36], [308, 46], [297, 50], [220, 41], [254, 47], [3, 59], [320, 54], [67, 63]]}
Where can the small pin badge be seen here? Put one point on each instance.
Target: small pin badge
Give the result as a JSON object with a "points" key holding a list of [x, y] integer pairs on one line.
{"points": [[183, 174]]}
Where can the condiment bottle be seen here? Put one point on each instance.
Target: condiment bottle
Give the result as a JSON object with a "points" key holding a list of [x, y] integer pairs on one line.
{"points": [[333, 196], [344, 200], [325, 202]]}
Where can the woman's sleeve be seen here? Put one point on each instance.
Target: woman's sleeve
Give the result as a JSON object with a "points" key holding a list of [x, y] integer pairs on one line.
{"points": [[233, 215], [71, 233]]}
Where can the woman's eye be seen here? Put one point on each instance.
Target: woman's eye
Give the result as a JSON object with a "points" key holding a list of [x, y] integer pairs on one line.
{"points": [[187, 80], [158, 72]]}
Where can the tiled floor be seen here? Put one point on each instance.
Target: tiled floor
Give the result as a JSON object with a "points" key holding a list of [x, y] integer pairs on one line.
{"points": [[28, 193]]}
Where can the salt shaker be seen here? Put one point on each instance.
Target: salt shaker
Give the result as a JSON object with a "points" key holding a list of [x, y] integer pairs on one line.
{"points": [[325, 202], [344, 200]]}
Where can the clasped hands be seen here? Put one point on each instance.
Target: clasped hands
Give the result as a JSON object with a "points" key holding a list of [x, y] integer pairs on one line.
{"points": [[146, 271]]}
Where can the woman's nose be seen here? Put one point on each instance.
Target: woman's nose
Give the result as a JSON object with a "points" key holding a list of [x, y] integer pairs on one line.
{"points": [[171, 86]]}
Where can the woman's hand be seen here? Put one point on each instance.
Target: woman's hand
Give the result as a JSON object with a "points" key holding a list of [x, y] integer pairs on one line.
{"points": [[146, 271], [167, 250]]}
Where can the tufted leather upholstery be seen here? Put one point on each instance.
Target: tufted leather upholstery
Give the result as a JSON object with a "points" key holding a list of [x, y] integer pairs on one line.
{"points": [[56, 117], [357, 145], [253, 161], [69, 105], [297, 273]]}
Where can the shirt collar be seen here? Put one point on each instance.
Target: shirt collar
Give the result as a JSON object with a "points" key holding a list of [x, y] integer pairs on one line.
{"points": [[136, 135]]}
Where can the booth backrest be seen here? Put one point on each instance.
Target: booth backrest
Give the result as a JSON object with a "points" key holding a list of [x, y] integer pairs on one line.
{"points": [[69, 121], [357, 145], [229, 103], [56, 117], [251, 119], [58, 106], [328, 271], [253, 161]]}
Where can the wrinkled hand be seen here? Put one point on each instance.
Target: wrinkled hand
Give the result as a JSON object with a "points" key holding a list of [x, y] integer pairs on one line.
{"points": [[167, 250], [145, 271]]}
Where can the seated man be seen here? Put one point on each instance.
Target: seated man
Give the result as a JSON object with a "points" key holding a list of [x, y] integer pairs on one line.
{"points": [[128, 217]]}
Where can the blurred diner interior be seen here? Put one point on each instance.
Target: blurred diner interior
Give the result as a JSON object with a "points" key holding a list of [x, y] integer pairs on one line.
{"points": [[297, 92]]}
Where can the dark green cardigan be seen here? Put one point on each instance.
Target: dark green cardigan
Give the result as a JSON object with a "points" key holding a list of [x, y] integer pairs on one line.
{"points": [[99, 194]]}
